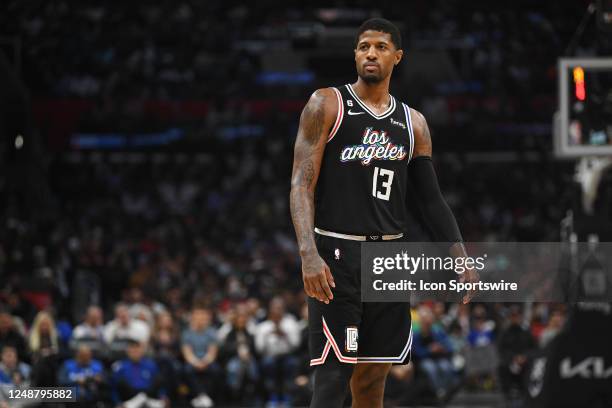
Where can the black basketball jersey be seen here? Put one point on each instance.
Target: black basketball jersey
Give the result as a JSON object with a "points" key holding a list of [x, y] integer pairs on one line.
{"points": [[362, 184]]}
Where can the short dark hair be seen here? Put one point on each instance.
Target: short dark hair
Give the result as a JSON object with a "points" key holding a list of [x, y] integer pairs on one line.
{"points": [[201, 306], [384, 26]]}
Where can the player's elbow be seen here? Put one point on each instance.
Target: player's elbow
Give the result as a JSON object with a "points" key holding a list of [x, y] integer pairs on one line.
{"points": [[298, 188], [294, 192]]}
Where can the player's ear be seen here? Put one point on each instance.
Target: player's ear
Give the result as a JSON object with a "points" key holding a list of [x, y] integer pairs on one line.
{"points": [[398, 56]]}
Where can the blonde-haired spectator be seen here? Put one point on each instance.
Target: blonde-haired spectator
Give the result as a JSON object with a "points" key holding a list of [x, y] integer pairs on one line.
{"points": [[44, 346], [43, 339]]}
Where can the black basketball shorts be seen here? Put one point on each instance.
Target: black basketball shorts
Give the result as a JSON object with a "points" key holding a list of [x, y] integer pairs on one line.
{"points": [[351, 330]]}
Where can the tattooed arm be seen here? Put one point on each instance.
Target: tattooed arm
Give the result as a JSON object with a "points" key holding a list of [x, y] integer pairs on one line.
{"points": [[316, 120]]}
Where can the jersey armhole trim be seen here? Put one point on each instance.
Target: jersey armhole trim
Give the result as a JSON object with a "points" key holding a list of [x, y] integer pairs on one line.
{"points": [[410, 130], [339, 116]]}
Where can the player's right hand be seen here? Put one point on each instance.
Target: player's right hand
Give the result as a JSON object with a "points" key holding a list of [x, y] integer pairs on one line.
{"points": [[317, 278]]}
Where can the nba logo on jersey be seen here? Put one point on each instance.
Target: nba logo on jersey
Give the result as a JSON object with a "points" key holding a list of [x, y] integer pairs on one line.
{"points": [[337, 253], [352, 337]]}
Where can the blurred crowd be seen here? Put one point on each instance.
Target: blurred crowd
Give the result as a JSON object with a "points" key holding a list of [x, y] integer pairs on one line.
{"points": [[147, 354], [472, 71], [248, 353], [167, 49]]}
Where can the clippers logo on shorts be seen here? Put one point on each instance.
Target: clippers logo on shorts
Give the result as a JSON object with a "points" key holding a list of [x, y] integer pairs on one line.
{"points": [[375, 145], [352, 338]]}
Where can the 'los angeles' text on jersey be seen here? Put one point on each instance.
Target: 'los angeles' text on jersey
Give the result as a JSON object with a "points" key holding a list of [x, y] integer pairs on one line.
{"points": [[374, 145], [362, 183]]}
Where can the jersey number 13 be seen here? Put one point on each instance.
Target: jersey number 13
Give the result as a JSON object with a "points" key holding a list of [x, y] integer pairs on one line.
{"points": [[381, 183]]}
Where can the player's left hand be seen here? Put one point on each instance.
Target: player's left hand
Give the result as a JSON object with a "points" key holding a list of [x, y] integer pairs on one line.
{"points": [[469, 276]]}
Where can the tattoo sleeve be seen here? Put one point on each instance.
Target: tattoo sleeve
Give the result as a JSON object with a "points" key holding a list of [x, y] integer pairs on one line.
{"points": [[308, 153]]}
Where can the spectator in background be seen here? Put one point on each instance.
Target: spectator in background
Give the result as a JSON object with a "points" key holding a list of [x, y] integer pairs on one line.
{"points": [[515, 343], [165, 336], [554, 326], [166, 346], [64, 332], [10, 335], [91, 331], [456, 337], [92, 326], [141, 307], [85, 374], [16, 305], [43, 335], [199, 348], [136, 380], [44, 346], [124, 327], [481, 334], [237, 353], [433, 352], [302, 386], [481, 356], [460, 314], [276, 339], [228, 325], [303, 328], [13, 371], [441, 317], [540, 314], [257, 313]]}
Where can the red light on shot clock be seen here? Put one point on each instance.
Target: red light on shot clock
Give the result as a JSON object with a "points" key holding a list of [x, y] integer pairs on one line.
{"points": [[579, 83]]}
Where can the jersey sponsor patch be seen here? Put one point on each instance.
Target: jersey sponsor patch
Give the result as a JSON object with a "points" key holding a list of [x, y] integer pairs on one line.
{"points": [[352, 338], [397, 123]]}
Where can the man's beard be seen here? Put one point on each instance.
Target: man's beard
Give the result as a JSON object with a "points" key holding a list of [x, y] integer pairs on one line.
{"points": [[371, 78]]}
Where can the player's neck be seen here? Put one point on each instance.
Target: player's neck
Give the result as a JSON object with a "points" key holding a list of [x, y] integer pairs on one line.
{"points": [[376, 94]]}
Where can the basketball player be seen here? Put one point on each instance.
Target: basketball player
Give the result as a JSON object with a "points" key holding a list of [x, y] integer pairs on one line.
{"points": [[356, 149]]}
